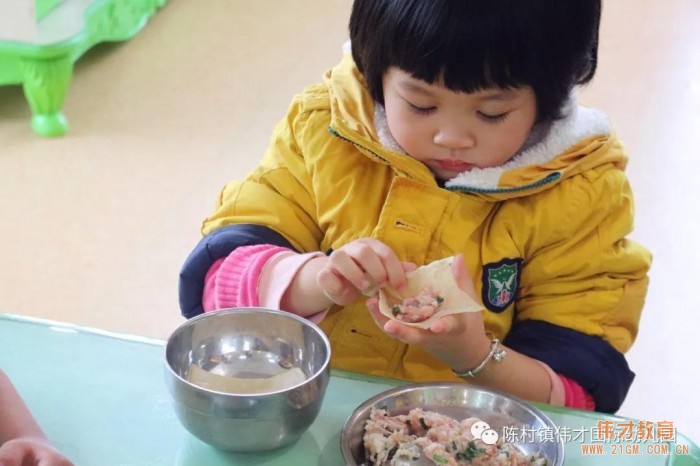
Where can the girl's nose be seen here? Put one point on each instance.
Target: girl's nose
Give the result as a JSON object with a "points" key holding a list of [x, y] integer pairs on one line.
{"points": [[454, 138]]}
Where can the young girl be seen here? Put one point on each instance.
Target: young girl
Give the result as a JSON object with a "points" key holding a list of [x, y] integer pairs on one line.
{"points": [[451, 129]]}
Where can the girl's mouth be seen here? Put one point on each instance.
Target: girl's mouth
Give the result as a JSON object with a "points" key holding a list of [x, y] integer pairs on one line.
{"points": [[455, 165]]}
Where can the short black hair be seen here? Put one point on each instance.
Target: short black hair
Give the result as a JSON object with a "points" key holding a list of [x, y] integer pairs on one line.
{"points": [[470, 45]]}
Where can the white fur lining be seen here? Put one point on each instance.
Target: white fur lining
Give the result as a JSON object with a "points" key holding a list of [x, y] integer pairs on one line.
{"points": [[579, 124], [382, 127]]}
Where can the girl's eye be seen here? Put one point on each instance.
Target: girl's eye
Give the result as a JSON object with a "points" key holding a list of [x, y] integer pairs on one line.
{"points": [[492, 118], [421, 110]]}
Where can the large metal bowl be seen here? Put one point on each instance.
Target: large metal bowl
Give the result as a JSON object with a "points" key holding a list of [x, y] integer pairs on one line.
{"points": [[248, 344], [459, 401]]}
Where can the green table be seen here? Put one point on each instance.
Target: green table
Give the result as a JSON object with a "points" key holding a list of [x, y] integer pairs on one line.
{"points": [[101, 399], [44, 65]]}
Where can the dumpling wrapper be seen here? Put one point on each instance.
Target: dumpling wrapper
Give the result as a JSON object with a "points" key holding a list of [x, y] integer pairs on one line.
{"points": [[438, 275], [242, 386]]}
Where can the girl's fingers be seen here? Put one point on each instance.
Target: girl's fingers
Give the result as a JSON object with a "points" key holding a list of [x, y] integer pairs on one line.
{"points": [[14, 454], [373, 306], [396, 274], [446, 324], [462, 276], [335, 287], [408, 266], [52, 459], [368, 264], [373, 267], [329, 282], [345, 265], [380, 263], [408, 335]]}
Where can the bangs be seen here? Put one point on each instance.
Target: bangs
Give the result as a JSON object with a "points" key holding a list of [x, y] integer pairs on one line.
{"points": [[437, 46], [472, 45]]}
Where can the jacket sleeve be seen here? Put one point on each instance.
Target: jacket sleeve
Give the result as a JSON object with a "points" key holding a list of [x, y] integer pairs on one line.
{"points": [[583, 285], [214, 246], [272, 205]]}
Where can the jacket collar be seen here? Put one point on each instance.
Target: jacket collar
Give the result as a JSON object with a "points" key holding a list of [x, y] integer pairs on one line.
{"points": [[579, 124], [558, 151], [352, 119]]}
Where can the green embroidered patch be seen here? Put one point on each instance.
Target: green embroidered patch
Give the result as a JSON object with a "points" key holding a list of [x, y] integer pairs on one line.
{"points": [[500, 283]]}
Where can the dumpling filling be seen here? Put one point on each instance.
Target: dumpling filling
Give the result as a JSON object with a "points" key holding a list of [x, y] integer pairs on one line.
{"points": [[431, 293], [419, 307], [442, 440]]}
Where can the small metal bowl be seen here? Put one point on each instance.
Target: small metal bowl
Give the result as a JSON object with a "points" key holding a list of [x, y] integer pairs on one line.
{"points": [[458, 401], [247, 344]]}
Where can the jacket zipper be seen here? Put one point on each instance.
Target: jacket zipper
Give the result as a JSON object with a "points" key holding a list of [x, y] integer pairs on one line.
{"points": [[552, 177], [340, 136]]}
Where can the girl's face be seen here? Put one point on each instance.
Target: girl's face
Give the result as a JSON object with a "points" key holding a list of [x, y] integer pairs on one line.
{"points": [[453, 132]]}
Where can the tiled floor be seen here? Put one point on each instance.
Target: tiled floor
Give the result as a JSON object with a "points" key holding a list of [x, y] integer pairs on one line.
{"points": [[95, 225]]}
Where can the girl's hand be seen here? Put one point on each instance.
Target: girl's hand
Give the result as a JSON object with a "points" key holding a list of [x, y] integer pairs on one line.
{"points": [[459, 340], [361, 266], [31, 452]]}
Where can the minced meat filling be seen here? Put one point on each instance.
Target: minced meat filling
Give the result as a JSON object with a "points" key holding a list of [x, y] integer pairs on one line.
{"points": [[419, 307], [391, 440]]}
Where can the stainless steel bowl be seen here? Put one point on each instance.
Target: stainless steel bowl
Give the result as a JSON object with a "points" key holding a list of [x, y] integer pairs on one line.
{"points": [[248, 343], [458, 401]]}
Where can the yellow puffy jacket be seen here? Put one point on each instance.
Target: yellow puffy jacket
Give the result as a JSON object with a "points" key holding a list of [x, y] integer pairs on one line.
{"points": [[544, 235]]}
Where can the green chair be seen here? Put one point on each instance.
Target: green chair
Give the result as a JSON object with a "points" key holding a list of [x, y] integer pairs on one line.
{"points": [[42, 59]]}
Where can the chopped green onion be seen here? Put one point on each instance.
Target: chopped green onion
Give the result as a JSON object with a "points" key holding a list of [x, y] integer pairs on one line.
{"points": [[470, 452]]}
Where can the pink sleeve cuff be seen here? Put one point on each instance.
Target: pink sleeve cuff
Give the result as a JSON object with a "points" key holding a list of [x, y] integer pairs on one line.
{"points": [[276, 277], [566, 392], [558, 396], [209, 296], [233, 281], [254, 276], [576, 396]]}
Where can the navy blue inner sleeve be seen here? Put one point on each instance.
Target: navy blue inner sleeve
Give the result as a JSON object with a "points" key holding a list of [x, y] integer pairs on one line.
{"points": [[589, 360], [218, 245]]}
